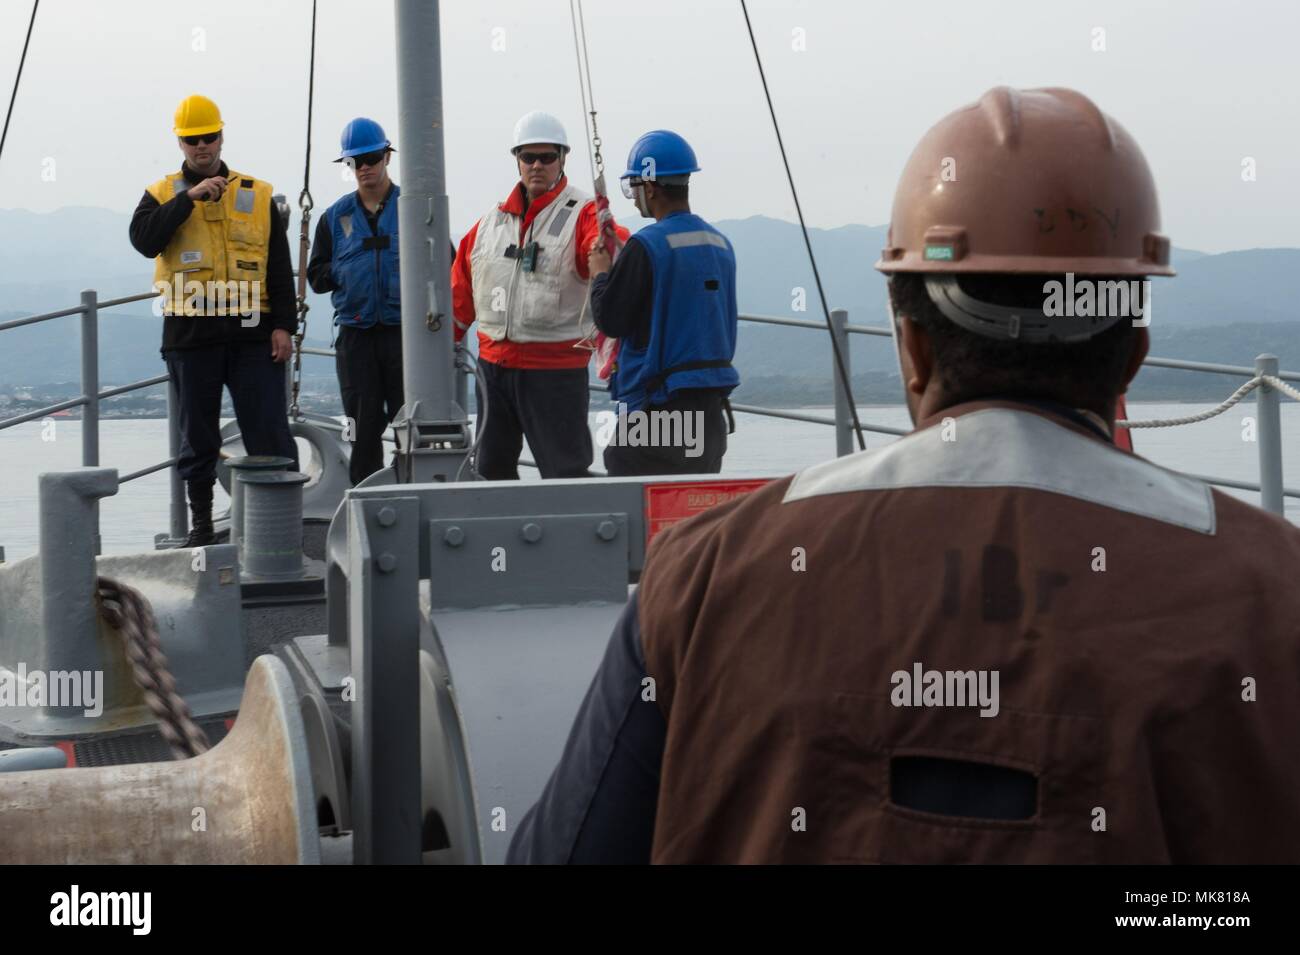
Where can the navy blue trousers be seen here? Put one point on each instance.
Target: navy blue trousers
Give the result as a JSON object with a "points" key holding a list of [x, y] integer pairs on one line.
{"points": [[256, 386], [706, 404], [369, 365], [546, 405]]}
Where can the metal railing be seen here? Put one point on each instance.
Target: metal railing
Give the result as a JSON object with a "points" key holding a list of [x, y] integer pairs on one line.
{"points": [[91, 396], [1269, 429], [1268, 402]]}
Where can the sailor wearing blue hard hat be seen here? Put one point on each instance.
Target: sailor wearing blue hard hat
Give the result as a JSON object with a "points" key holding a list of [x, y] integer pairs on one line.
{"points": [[354, 258], [671, 301]]}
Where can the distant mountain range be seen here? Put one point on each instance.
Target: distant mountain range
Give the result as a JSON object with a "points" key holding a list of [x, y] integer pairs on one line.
{"points": [[1226, 307]]}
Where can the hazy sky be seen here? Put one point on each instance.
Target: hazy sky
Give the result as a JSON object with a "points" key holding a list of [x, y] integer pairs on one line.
{"points": [[1201, 85]]}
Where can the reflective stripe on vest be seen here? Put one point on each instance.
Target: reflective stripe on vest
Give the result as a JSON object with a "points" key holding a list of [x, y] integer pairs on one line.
{"points": [[544, 305], [215, 263], [1015, 448], [684, 240]]}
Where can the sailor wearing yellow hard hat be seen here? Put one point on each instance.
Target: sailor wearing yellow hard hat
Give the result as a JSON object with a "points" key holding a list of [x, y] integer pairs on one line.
{"points": [[221, 264]]}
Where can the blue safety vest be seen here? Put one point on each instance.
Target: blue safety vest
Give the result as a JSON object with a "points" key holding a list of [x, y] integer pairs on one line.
{"points": [[693, 315], [364, 266]]}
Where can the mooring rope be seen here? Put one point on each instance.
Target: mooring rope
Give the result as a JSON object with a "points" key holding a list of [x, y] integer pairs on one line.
{"points": [[128, 611]]}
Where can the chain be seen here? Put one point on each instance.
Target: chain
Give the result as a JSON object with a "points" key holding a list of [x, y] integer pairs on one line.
{"points": [[300, 327], [127, 611], [595, 145]]}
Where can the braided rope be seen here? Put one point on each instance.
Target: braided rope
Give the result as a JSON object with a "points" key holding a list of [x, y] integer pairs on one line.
{"points": [[1218, 409], [127, 611], [1275, 382]]}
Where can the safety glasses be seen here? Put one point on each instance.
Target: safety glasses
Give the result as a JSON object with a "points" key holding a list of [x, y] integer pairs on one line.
{"points": [[375, 158], [628, 185], [545, 159], [207, 140]]}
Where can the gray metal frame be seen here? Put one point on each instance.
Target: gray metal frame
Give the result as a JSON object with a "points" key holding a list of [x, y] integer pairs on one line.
{"points": [[513, 650], [383, 592]]}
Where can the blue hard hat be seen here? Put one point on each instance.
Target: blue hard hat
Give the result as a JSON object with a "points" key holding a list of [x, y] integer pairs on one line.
{"points": [[660, 153], [362, 136]]}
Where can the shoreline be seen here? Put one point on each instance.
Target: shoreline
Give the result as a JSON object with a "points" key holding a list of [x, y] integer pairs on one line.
{"points": [[107, 416]]}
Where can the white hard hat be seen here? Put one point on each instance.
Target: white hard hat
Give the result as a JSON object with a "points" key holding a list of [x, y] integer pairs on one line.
{"points": [[538, 127]]}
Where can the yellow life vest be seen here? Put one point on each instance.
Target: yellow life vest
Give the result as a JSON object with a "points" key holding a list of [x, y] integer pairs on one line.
{"points": [[215, 263]]}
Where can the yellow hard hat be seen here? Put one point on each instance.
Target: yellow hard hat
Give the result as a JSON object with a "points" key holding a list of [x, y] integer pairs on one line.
{"points": [[196, 116]]}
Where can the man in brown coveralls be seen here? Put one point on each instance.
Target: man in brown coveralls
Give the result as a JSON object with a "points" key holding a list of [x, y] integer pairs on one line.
{"points": [[998, 639]]}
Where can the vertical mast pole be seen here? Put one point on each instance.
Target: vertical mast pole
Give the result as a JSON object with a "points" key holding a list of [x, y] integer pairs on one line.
{"points": [[427, 371]]}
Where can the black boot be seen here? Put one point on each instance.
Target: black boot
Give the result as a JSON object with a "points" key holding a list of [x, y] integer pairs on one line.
{"points": [[200, 494]]}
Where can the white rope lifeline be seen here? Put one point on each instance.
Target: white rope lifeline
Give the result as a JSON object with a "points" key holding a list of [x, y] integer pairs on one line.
{"points": [[1271, 380]]}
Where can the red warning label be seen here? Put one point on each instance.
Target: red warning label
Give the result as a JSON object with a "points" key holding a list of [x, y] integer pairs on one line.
{"points": [[667, 504]]}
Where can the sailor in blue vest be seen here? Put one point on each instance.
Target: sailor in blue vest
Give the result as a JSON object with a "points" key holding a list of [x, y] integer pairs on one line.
{"points": [[354, 258], [671, 301]]}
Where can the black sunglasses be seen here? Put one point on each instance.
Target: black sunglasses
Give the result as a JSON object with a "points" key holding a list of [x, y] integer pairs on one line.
{"points": [[544, 158], [207, 140], [369, 159]]}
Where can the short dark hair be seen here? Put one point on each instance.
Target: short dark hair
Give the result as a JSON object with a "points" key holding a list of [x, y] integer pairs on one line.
{"points": [[675, 192], [1088, 374]]}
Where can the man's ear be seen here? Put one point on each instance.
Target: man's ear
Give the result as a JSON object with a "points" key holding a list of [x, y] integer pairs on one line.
{"points": [[1141, 345], [916, 354]]}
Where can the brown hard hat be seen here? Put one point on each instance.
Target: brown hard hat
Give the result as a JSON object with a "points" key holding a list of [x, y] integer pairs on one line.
{"points": [[1031, 181]]}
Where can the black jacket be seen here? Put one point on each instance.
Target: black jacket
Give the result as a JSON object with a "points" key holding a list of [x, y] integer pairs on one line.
{"points": [[621, 298]]}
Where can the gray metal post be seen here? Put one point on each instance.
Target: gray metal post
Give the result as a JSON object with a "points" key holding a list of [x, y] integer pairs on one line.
{"points": [[180, 521], [843, 419], [271, 545], [90, 389], [248, 464], [90, 378], [67, 556], [422, 215], [383, 604], [1269, 411]]}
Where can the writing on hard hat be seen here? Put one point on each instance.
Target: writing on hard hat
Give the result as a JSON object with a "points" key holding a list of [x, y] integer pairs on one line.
{"points": [[196, 116], [659, 155], [1035, 181], [361, 136], [537, 128]]}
